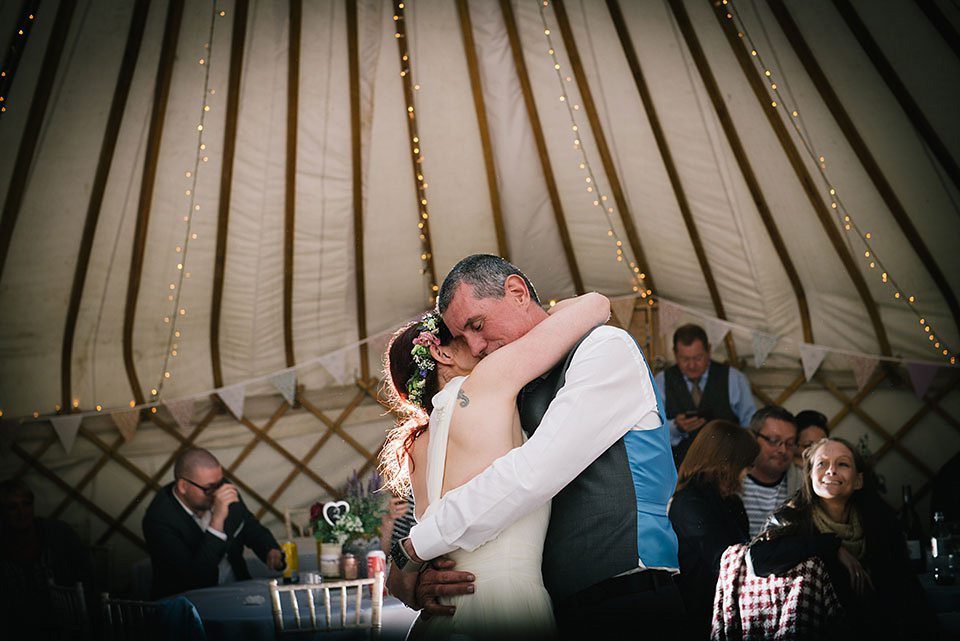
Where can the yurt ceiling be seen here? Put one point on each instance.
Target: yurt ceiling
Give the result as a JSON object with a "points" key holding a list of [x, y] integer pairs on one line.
{"points": [[214, 213]]}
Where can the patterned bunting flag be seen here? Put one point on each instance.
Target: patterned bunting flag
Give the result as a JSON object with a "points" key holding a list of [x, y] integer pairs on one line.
{"points": [[716, 330], [336, 364], [233, 398], [863, 368], [66, 427], [763, 344], [286, 384], [622, 309], [811, 356], [669, 315], [182, 411], [921, 375], [126, 422]]}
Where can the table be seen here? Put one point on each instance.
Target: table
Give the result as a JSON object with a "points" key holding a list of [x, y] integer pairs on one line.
{"points": [[945, 601], [241, 612]]}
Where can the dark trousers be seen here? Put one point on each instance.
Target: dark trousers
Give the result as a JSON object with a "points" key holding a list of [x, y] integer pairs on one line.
{"points": [[644, 605]]}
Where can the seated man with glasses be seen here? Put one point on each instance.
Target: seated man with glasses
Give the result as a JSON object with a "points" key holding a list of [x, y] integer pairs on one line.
{"points": [[767, 485], [197, 526]]}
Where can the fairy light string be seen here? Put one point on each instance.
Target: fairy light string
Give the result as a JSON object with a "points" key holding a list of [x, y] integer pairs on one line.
{"points": [[174, 295], [599, 199], [409, 88], [780, 100], [18, 42]]}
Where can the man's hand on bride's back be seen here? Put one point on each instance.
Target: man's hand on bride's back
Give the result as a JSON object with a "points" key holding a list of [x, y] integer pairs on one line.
{"points": [[439, 579]]}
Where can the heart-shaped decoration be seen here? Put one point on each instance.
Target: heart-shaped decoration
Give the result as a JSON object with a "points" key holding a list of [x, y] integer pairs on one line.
{"points": [[334, 511]]}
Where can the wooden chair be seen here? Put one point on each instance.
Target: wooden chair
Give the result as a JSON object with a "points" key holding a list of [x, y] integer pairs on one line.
{"points": [[69, 610], [291, 513], [353, 590], [126, 620]]}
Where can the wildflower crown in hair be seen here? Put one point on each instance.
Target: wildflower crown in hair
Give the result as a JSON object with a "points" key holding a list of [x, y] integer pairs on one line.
{"points": [[423, 362]]}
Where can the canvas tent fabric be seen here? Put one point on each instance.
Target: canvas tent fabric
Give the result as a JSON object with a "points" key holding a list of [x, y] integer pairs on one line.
{"points": [[209, 205]]}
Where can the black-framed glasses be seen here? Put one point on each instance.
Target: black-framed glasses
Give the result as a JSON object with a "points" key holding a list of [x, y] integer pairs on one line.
{"points": [[209, 489], [775, 442]]}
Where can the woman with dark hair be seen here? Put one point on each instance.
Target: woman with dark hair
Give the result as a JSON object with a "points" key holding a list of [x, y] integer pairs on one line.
{"points": [[839, 517], [473, 421], [707, 513]]}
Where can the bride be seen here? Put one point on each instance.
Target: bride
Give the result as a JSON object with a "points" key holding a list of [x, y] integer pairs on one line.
{"points": [[473, 420]]}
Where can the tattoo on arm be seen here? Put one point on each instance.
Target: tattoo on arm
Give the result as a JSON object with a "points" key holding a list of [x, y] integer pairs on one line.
{"points": [[464, 401]]}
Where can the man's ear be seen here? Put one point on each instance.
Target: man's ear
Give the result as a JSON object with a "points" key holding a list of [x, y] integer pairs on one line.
{"points": [[515, 288]]}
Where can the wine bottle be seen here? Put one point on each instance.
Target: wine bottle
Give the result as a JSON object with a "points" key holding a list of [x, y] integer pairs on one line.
{"points": [[911, 528], [941, 549]]}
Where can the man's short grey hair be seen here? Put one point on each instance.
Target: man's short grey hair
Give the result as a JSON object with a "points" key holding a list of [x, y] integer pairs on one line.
{"points": [[771, 411], [192, 459], [486, 273]]}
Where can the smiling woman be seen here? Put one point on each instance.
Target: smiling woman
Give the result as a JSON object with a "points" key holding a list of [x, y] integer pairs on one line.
{"points": [[839, 517]]}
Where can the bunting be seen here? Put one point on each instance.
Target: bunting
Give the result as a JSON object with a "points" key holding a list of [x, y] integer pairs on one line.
{"points": [[336, 364], [66, 427], [763, 344], [716, 331], [863, 368], [126, 422], [182, 411], [921, 375], [670, 314], [233, 398], [811, 356], [622, 309], [286, 383]]}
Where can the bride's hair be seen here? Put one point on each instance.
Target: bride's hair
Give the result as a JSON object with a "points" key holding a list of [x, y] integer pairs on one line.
{"points": [[410, 382]]}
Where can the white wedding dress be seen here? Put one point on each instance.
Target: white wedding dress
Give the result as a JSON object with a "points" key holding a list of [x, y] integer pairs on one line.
{"points": [[509, 601]]}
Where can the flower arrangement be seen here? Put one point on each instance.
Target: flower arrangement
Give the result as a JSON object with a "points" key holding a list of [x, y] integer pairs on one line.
{"points": [[356, 516]]}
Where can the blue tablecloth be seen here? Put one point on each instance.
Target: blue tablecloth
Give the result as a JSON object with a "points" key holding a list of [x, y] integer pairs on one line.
{"points": [[241, 612]]}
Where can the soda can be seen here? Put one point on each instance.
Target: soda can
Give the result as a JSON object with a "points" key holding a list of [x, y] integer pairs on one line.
{"points": [[376, 562], [291, 572]]}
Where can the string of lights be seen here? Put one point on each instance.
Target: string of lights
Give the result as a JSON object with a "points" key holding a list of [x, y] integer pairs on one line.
{"points": [[844, 215], [171, 349], [15, 51], [599, 199], [409, 88]]}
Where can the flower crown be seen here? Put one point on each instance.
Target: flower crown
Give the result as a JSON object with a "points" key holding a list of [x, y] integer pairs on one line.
{"points": [[423, 362]]}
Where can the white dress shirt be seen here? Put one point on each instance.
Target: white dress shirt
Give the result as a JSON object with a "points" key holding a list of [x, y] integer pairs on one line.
{"points": [[608, 391], [224, 570]]}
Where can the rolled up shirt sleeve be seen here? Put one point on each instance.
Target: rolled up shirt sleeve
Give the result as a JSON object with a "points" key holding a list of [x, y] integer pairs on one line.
{"points": [[608, 391]]}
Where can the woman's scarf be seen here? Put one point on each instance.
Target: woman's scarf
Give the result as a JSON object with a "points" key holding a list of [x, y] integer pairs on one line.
{"points": [[850, 533]]}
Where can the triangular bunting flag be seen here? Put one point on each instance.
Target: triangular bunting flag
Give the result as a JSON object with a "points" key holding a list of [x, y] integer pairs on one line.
{"points": [[286, 384], [716, 331], [763, 344], [233, 398], [9, 433], [811, 356], [669, 315], [623, 310], [336, 364], [66, 427], [126, 422], [863, 368], [182, 411], [921, 375]]}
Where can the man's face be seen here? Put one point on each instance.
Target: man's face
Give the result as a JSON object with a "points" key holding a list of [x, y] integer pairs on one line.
{"points": [[692, 359], [487, 324], [18, 511], [197, 499], [777, 440]]}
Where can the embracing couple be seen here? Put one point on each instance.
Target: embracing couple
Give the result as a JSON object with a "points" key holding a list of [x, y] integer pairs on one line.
{"points": [[548, 518]]}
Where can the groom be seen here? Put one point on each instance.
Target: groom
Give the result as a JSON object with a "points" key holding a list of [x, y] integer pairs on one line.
{"points": [[601, 451]]}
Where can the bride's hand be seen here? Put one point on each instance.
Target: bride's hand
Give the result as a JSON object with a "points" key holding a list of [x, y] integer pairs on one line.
{"points": [[439, 579]]}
